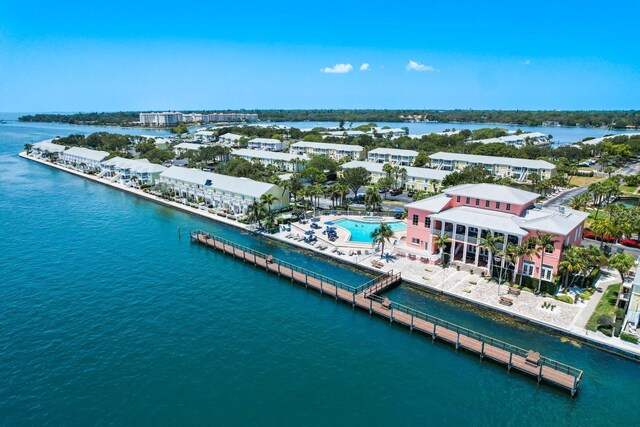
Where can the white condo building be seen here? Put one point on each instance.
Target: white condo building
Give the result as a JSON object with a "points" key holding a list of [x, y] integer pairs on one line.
{"points": [[229, 193], [47, 149], [283, 161], [266, 144], [334, 151], [534, 138], [160, 119], [412, 178], [184, 147], [394, 156], [204, 135], [229, 139], [500, 167], [131, 171], [83, 159]]}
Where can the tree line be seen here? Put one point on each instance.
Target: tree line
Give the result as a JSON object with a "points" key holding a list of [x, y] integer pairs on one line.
{"points": [[612, 119]]}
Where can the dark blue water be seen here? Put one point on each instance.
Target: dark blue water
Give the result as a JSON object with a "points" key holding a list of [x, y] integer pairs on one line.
{"points": [[107, 318]]}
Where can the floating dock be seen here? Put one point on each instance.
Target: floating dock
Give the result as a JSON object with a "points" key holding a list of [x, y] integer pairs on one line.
{"points": [[366, 297]]}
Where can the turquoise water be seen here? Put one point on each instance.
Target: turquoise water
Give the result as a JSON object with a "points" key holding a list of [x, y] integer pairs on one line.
{"points": [[629, 202], [107, 318], [361, 230]]}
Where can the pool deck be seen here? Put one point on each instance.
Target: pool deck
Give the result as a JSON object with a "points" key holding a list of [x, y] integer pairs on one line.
{"points": [[343, 241]]}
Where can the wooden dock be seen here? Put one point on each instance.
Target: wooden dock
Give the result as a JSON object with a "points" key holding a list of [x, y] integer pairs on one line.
{"points": [[366, 297]]}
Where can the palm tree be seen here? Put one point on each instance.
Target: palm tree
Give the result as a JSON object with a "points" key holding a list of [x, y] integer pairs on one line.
{"points": [[256, 212], [579, 202], [490, 244], [372, 199], [544, 242], [268, 200], [388, 169], [510, 254], [342, 190], [440, 241], [535, 179], [381, 235], [397, 170], [574, 262], [602, 227], [525, 250]]}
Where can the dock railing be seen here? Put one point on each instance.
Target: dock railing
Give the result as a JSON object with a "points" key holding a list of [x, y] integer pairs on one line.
{"points": [[364, 296], [461, 330], [282, 263], [378, 283]]}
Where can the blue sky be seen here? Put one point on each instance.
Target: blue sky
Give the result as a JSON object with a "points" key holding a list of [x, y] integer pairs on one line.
{"points": [[116, 55]]}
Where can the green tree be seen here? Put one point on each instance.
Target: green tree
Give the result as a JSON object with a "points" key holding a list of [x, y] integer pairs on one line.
{"points": [[268, 200], [544, 242], [324, 164], [180, 129], [381, 235], [388, 169], [490, 243], [372, 199], [470, 174], [623, 262], [524, 251], [355, 178], [440, 240], [573, 263], [385, 184]]}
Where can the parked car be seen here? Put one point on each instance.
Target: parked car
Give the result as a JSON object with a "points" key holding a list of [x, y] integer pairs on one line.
{"points": [[410, 193], [395, 192]]}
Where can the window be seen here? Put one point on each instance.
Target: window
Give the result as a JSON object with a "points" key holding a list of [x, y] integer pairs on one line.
{"points": [[577, 235], [415, 241], [486, 203], [497, 205], [547, 272], [477, 202], [427, 222], [415, 219], [458, 199], [549, 250], [508, 206], [468, 200], [527, 268]]}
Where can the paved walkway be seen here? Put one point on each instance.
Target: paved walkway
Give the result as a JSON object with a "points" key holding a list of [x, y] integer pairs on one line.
{"points": [[607, 277]]}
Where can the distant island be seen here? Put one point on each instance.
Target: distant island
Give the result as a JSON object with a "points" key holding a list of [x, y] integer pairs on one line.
{"points": [[608, 119]]}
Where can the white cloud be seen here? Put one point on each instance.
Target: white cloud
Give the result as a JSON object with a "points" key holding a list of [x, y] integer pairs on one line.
{"points": [[338, 69], [526, 62], [416, 66], [365, 67]]}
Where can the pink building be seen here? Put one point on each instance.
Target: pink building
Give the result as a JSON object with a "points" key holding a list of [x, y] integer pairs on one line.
{"points": [[469, 212]]}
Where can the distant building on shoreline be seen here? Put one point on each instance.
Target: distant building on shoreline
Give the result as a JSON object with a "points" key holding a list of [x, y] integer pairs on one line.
{"points": [[166, 119]]}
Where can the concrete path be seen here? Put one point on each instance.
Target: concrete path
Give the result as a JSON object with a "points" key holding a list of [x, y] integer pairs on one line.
{"points": [[607, 277]]}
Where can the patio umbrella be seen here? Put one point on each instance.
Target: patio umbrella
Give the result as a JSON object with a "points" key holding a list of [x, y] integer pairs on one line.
{"points": [[398, 210], [309, 232], [316, 219], [328, 222]]}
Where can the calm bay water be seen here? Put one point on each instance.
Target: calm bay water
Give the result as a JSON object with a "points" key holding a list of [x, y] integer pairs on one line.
{"points": [[561, 135], [107, 318]]}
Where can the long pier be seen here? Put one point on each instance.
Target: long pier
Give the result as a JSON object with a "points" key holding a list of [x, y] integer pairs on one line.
{"points": [[367, 297]]}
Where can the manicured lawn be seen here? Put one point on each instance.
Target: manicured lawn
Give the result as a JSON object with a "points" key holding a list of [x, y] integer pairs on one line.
{"points": [[606, 306], [579, 181], [627, 189]]}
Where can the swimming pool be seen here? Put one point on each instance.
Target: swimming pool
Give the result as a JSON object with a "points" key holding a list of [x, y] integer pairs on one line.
{"points": [[361, 231]]}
